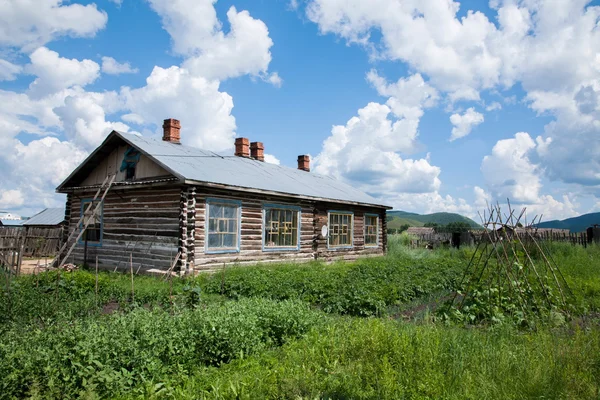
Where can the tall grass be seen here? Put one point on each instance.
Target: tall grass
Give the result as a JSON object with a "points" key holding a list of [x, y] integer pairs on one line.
{"points": [[378, 359]]}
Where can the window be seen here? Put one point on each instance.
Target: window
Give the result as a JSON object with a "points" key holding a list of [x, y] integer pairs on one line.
{"points": [[340, 229], [371, 233], [223, 225], [93, 232], [281, 227]]}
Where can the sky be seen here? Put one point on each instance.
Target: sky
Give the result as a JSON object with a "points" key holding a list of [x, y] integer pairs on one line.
{"points": [[429, 105]]}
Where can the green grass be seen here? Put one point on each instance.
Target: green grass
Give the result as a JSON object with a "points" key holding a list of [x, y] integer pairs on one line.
{"points": [[377, 359], [292, 331]]}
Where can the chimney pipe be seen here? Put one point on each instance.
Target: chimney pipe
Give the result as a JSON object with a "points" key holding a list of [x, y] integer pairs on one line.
{"points": [[242, 147], [304, 163], [171, 129], [257, 151]]}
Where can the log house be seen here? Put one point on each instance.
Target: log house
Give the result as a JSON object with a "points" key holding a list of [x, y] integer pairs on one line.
{"points": [[170, 199]]}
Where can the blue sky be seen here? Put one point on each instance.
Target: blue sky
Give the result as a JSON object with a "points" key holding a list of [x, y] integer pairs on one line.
{"points": [[431, 105]]}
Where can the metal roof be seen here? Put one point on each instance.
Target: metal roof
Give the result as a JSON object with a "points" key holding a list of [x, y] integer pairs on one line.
{"points": [[191, 165], [49, 216], [11, 222]]}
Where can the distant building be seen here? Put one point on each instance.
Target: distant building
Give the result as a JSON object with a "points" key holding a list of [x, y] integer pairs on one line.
{"points": [[6, 223], [420, 230], [48, 218], [5, 215]]}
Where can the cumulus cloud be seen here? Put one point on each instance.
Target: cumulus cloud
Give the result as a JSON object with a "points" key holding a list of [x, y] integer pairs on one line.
{"points": [[28, 24], [197, 34], [9, 71], [271, 159], [204, 111], [11, 198], [55, 73], [363, 152], [113, 67], [509, 171], [463, 124]]}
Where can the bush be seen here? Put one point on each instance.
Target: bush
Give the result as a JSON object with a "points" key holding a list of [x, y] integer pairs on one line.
{"points": [[112, 355], [363, 288]]}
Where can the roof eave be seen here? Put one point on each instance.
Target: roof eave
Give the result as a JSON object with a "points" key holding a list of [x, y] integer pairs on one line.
{"points": [[292, 195]]}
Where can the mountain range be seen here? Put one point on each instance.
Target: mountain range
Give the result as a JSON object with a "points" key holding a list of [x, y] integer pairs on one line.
{"points": [[575, 224], [395, 219]]}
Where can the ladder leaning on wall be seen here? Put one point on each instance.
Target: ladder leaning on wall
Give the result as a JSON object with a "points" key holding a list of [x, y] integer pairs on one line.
{"points": [[84, 221]]}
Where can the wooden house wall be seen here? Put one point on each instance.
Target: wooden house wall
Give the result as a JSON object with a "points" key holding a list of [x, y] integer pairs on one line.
{"points": [[358, 249], [312, 245], [143, 222], [251, 231], [111, 164]]}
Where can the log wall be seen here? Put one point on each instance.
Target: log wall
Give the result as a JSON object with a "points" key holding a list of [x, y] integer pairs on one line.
{"points": [[358, 249], [312, 245], [144, 222]]}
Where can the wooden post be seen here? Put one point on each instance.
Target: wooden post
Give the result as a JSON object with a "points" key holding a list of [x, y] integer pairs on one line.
{"points": [[96, 280], [131, 271], [20, 256]]}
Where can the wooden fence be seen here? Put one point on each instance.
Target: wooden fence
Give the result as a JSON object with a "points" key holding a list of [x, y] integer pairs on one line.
{"points": [[469, 238], [16, 243]]}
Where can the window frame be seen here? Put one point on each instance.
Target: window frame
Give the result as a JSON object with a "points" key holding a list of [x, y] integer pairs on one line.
{"points": [[267, 207], [376, 229], [342, 246], [81, 208], [226, 202]]}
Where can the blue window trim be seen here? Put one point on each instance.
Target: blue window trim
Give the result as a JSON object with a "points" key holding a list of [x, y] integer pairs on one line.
{"points": [[92, 244], [269, 206], [376, 233], [216, 200], [343, 247]]}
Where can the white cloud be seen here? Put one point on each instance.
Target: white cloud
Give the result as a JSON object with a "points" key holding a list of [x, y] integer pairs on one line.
{"points": [[113, 67], [83, 117], [204, 112], [463, 124], [271, 159], [212, 54], [28, 24], [493, 106], [9, 71], [55, 73], [133, 119], [363, 152], [510, 173], [274, 79], [11, 198]]}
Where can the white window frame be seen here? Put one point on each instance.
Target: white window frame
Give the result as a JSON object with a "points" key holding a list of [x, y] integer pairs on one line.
{"points": [[228, 203]]}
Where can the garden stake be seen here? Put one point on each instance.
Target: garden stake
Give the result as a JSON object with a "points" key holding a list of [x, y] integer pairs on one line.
{"points": [[131, 271]]}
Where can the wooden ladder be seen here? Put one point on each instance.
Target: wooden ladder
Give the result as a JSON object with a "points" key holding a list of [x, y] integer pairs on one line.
{"points": [[84, 222]]}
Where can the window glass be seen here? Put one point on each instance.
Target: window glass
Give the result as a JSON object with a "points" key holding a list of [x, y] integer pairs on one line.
{"points": [[93, 232], [340, 229], [223, 222], [371, 230], [281, 227]]}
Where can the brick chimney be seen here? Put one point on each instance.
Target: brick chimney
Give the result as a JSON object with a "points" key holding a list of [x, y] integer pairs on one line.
{"points": [[242, 147], [304, 163], [257, 151], [171, 129]]}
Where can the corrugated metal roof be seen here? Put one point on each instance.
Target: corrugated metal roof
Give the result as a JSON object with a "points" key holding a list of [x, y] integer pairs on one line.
{"points": [[194, 164], [11, 222], [49, 216]]}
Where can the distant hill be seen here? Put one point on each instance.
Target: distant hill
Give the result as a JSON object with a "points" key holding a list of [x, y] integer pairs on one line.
{"points": [[399, 218], [575, 224]]}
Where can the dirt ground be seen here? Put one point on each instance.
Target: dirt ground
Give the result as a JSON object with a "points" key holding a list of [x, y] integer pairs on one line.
{"points": [[30, 266]]}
